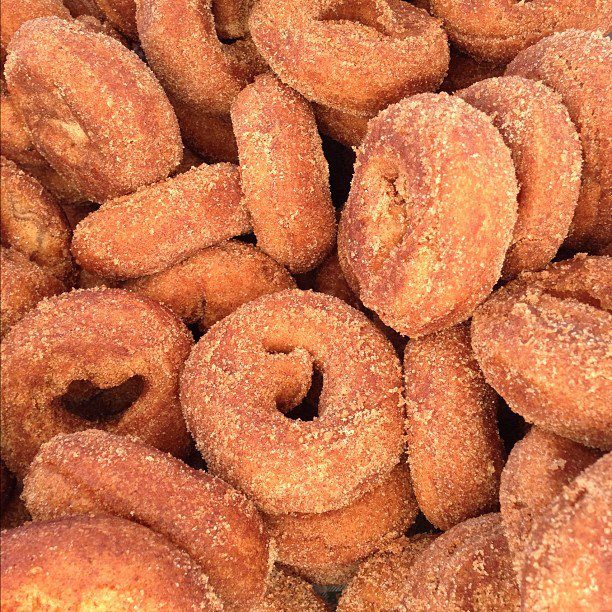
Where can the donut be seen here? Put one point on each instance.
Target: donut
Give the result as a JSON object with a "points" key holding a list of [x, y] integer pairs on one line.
{"points": [[454, 448], [411, 243], [496, 31], [307, 542], [567, 557], [98, 562], [211, 284], [547, 158], [464, 71], [577, 65], [231, 18], [121, 14], [379, 582], [329, 279], [543, 343], [288, 593], [95, 112], [284, 174], [32, 222], [346, 128], [357, 57], [95, 471], [538, 468], [161, 225], [80, 8], [259, 361], [58, 358]]}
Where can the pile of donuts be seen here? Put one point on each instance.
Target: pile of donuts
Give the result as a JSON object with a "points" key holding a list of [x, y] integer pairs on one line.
{"points": [[306, 305]]}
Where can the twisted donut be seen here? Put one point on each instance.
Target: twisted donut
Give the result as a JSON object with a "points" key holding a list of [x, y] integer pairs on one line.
{"points": [[411, 242], [258, 362], [106, 337], [354, 55]]}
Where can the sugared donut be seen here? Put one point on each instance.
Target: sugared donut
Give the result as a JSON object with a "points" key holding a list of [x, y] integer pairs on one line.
{"points": [[454, 448], [121, 14], [108, 338], [284, 174], [346, 128], [497, 30], [578, 65], [288, 593], [543, 343], [464, 71], [329, 279], [260, 360], [98, 563], [357, 56], [95, 471], [95, 111], [160, 225], [379, 582], [538, 468], [307, 542], [211, 284], [547, 158], [80, 8], [412, 243], [567, 557]]}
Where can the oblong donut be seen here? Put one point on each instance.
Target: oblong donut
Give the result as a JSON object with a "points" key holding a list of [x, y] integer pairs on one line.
{"points": [[288, 593], [102, 562], [543, 343], [269, 349], [411, 242], [95, 111], [105, 336], [284, 174], [95, 471], [354, 56], [160, 225]]}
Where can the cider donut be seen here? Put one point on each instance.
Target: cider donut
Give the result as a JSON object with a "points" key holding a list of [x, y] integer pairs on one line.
{"points": [[214, 282], [355, 56], [288, 593], [538, 468], [163, 224], [329, 279], [346, 128], [106, 338], [95, 112], [260, 360], [95, 471], [98, 562], [121, 14], [578, 65], [411, 243], [284, 174], [454, 449], [464, 71], [497, 30], [567, 557], [543, 343]]}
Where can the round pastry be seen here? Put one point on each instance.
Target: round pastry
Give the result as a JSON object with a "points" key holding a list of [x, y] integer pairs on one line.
{"points": [[346, 128], [356, 56], [543, 343], [464, 71], [257, 364], [288, 593], [95, 112], [284, 174], [411, 242], [102, 358]]}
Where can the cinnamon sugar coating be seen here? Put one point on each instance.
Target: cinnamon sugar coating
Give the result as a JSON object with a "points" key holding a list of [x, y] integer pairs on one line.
{"points": [[543, 343], [329, 279], [106, 337], [464, 71], [95, 112], [346, 128], [284, 174], [357, 56], [288, 593], [411, 242], [260, 360], [121, 14]]}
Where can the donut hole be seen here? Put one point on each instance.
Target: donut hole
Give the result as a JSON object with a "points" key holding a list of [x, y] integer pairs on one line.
{"points": [[87, 401], [363, 13], [308, 408]]}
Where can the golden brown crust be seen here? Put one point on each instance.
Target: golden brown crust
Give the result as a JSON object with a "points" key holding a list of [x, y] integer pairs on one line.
{"points": [[497, 30], [567, 559], [578, 65], [464, 71], [104, 336], [538, 468], [347, 128], [160, 225], [121, 14], [99, 562], [411, 242], [543, 343], [284, 174], [288, 593], [263, 356], [329, 279], [109, 128], [94, 472], [356, 56], [454, 448]]}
